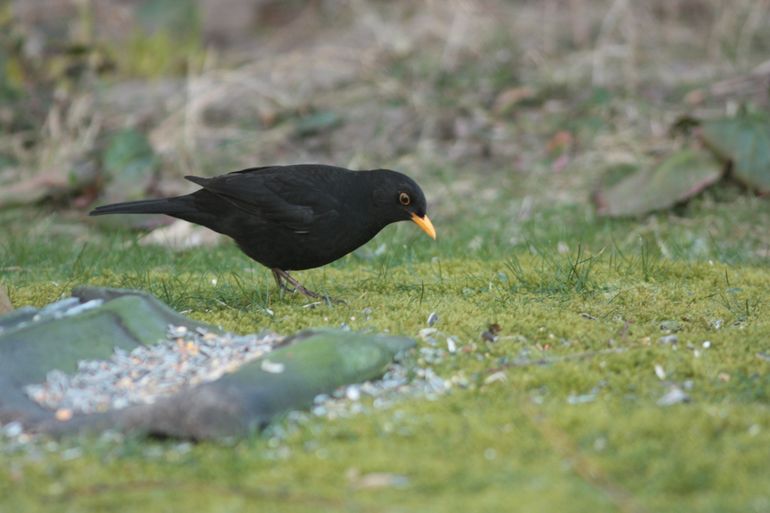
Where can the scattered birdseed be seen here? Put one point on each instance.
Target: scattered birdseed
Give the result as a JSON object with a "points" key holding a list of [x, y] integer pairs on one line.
{"points": [[12, 429], [495, 377], [190, 357], [402, 380], [581, 398], [63, 414], [668, 339], [427, 332], [353, 392], [380, 480], [272, 367], [432, 355], [675, 395], [185, 359]]}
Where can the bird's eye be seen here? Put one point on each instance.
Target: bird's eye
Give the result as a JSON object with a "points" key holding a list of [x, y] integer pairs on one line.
{"points": [[404, 199]]}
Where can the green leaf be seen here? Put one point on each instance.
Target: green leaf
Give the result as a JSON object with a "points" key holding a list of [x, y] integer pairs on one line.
{"points": [[317, 122], [129, 163], [745, 141], [678, 178]]}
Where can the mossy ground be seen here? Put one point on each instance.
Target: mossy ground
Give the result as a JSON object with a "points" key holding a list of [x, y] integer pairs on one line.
{"points": [[570, 420], [574, 424]]}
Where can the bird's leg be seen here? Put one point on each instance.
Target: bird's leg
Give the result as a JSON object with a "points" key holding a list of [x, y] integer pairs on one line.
{"points": [[278, 279], [282, 277], [298, 287]]}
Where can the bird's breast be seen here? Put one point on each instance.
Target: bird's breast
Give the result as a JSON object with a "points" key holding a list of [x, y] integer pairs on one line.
{"points": [[298, 249]]}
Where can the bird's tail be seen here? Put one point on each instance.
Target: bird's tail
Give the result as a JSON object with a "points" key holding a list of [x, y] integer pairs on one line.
{"points": [[168, 206]]}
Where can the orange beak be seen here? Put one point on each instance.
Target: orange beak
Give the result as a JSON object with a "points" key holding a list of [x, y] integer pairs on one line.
{"points": [[425, 224]]}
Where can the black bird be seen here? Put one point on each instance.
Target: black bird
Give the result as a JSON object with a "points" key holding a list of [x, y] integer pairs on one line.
{"points": [[294, 217]]}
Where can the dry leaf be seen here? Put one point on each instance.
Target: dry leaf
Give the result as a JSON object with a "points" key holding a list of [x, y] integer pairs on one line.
{"points": [[745, 141], [680, 177], [509, 98]]}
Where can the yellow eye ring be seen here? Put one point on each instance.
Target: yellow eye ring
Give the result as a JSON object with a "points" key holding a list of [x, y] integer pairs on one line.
{"points": [[404, 199]]}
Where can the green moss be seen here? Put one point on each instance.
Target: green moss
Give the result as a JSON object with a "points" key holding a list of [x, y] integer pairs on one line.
{"points": [[521, 441]]}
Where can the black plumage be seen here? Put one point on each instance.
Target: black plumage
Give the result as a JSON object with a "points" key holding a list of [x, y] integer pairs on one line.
{"points": [[294, 217]]}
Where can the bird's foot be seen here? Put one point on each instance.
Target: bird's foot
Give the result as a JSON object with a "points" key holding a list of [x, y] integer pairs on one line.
{"points": [[282, 278]]}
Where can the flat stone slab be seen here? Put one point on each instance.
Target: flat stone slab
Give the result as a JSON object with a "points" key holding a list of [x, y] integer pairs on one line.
{"points": [[97, 330]]}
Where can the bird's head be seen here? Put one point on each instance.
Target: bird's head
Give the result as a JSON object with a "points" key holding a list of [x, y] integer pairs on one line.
{"points": [[401, 199]]}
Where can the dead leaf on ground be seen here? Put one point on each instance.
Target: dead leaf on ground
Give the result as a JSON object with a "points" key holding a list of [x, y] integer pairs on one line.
{"points": [[64, 178], [680, 177], [509, 98], [745, 141]]}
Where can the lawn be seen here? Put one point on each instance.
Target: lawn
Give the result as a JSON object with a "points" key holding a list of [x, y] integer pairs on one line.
{"points": [[562, 412], [631, 369]]}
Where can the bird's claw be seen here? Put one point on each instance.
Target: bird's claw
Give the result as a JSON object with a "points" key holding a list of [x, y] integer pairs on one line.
{"points": [[282, 278]]}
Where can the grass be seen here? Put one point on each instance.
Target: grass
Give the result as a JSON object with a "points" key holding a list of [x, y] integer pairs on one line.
{"points": [[561, 413], [574, 425]]}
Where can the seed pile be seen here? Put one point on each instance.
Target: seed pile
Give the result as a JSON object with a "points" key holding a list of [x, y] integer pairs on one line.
{"points": [[401, 380], [187, 358]]}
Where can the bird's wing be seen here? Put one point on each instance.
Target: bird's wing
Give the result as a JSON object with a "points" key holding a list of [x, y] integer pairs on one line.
{"points": [[293, 200]]}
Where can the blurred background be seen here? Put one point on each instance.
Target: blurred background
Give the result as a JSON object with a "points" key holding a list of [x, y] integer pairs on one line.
{"points": [[503, 110]]}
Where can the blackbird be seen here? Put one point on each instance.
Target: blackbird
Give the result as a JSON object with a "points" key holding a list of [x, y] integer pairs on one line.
{"points": [[294, 217]]}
